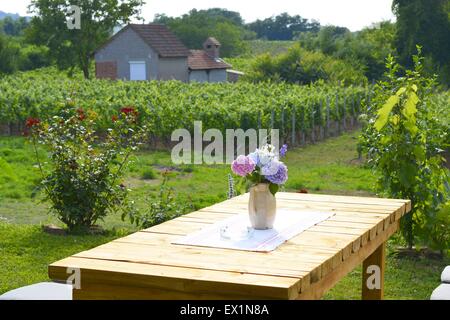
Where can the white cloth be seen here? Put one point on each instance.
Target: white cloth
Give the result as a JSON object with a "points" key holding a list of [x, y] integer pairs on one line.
{"points": [[441, 293], [288, 224], [40, 291], [445, 277]]}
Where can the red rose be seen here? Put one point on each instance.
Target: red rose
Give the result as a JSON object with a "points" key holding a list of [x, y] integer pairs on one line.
{"points": [[81, 114], [128, 110], [31, 122]]}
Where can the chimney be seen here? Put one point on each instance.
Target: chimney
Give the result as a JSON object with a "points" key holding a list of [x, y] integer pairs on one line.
{"points": [[212, 47]]}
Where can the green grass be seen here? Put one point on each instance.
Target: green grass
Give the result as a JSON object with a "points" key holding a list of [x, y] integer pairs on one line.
{"points": [[330, 167], [26, 251]]}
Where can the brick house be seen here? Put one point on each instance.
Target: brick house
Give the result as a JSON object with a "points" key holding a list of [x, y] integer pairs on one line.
{"points": [[153, 52]]}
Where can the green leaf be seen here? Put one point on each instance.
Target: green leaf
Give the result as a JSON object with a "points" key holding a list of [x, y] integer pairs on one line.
{"points": [[273, 188], [401, 91], [410, 108], [383, 113]]}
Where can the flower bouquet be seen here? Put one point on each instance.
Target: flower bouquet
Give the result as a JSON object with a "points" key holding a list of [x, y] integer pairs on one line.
{"points": [[266, 173]]}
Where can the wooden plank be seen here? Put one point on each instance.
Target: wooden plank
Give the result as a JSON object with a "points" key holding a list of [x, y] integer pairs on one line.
{"points": [[326, 258], [370, 289], [318, 289], [206, 258], [187, 280], [300, 204], [300, 207], [339, 198]]}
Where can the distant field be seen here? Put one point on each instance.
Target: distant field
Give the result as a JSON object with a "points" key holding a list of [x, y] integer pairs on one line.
{"points": [[256, 48], [274, 48]]}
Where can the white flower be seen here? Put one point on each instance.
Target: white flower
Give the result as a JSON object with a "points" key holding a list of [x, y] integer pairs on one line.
{"points": [[264, 155]]}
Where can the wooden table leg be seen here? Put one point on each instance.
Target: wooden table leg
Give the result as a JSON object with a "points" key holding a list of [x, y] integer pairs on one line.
{"points": [[373, 275]]}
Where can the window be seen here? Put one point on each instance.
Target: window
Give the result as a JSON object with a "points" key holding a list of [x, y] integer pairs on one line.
{"points": [[138, 70]]}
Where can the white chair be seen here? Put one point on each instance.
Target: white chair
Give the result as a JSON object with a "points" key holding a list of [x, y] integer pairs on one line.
{"points": [[443, 291], [40, 291]]}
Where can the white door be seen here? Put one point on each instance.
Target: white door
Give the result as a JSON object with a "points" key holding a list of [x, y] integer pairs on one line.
{"points": [[138, 70]]}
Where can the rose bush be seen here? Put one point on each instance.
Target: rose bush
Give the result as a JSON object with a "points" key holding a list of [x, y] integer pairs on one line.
{"points": [[84, 181]]}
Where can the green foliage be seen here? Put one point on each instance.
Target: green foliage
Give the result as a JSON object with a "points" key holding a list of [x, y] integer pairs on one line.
{"points": [[282, 27], [70, 48], [169, 105], [301, 66], [404, 141], [13, 27], [83, 184], [165, 207], [196, 26], [367, 49], [425, 23], [149, 174], [34, 57]]}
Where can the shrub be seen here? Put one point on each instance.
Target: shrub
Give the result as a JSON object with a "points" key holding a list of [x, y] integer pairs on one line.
{"points": [[83, 185], [404, 141], [149, 174], [165, 207], [301, 66]]}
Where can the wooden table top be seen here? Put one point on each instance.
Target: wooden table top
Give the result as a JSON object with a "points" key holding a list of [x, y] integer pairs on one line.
{"points": [[145, 265]]}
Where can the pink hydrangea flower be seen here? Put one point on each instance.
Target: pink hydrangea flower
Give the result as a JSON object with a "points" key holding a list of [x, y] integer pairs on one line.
{"points": [[243, 166]]}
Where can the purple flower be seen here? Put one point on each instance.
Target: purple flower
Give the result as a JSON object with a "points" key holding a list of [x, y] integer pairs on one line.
{"points": [[281, 176], [283, 150], [271, 168], [243, 166]]}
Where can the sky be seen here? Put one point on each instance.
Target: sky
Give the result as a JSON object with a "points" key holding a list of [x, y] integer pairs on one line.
{"points": [[353, 14]]}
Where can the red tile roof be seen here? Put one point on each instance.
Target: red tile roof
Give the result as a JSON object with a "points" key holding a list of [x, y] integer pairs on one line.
{"points": [[161, 39], [158, 37], [200, 60]]}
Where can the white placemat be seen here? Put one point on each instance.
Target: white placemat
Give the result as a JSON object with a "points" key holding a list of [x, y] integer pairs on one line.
{"points": [[288, 224]]}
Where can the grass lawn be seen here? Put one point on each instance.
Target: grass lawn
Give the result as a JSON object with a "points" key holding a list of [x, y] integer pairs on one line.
{"points": [[330, 167]]}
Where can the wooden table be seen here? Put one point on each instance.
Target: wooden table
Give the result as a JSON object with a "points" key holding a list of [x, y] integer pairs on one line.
{"points": [[145, 265]]}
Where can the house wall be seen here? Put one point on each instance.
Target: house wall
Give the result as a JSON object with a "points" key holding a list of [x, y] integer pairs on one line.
{"points": [[214, 75], [128, 46], [198, 76], [173, 68], [218, 75]]}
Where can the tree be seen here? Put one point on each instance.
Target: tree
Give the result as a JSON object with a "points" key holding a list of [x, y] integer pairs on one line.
{"points": [[425, 23], [9, 51], [283, 27], [75, 47], [13, 27], [367, 48], [196, 26]]}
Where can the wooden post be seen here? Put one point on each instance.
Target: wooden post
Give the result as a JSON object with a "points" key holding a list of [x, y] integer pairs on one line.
{"points": [[344, 114], [327, 128], [338, 114], [321, 120], [293, 126], [272, 119], [313, 135], [302, 123], [259, 120], [373, 274], [352, 118]]}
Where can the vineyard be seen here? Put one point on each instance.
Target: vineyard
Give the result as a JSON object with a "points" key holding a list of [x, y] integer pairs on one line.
{"points": [[300, 112]]}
